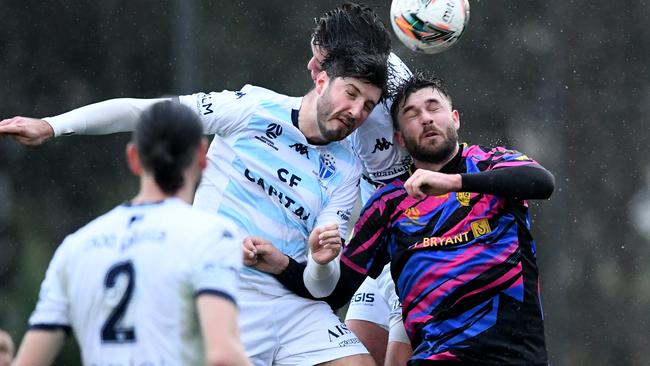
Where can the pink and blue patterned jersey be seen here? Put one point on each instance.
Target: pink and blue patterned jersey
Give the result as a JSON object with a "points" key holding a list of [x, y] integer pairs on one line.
{"points": [[463, 263]]}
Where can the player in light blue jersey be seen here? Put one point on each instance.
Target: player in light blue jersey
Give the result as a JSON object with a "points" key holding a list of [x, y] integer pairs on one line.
{"points": [[153, 281], [276, 170]]}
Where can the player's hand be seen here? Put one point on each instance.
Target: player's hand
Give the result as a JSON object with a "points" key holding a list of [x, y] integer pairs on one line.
{"points": [[262, 255], [27, 131], [325, 243], [429, 183]]}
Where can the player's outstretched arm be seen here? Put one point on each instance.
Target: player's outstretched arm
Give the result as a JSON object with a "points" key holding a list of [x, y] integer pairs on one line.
{"points": [[218, 320], [109, 116], [39, 347], [27, 131]]}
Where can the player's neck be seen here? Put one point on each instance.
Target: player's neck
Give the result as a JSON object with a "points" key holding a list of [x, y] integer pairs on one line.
{"points": [[436, 167], [151, 192], [307, 123]]}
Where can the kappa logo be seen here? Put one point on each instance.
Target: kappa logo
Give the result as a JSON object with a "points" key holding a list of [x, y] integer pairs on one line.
{"points": [[273, 130], [381, 145], [327, 167], [481, 227], [463, 198], [301, 149]]}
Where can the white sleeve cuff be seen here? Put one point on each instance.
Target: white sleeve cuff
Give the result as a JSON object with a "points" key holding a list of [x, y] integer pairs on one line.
{"points": [[397, 332], [321, 279]]}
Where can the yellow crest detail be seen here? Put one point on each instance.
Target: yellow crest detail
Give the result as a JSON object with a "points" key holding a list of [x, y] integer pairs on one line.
{"points": [[481, 227], [463, 198], [412, 212]]}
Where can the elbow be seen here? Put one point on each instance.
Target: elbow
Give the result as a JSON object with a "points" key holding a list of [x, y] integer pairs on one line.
{"points": [[546, 184]]}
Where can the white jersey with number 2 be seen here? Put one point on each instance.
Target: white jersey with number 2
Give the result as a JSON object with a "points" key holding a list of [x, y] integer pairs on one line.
{"points": [[126, 283]]}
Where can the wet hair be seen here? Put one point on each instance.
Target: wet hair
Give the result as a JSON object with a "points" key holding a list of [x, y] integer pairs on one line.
{"points": [[167, 138], [351, 26], [353, 63], [417, 81]]}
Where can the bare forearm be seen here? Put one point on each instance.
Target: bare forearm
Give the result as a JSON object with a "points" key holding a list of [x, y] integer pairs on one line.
{"points": [[39, 347]]}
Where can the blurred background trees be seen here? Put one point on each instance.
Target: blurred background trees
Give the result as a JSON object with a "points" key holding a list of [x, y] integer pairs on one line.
{"points": [[565, 81]]}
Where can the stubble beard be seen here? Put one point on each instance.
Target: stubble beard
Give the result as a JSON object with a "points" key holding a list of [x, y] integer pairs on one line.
{"points": [[323, 112], [434, 154]]}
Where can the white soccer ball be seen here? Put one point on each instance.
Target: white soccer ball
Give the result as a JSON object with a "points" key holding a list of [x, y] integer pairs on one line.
{"points": [[429, 26]]}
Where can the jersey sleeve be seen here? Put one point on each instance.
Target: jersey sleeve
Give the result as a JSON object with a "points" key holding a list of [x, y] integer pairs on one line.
{"points": [[223, 113], [339, 209], [506, 173], [52, 308], [367, 251], [217, 262], [500, 157]]}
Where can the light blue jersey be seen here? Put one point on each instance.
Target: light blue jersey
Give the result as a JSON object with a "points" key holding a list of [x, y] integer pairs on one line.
{"points": [[265, 176]]}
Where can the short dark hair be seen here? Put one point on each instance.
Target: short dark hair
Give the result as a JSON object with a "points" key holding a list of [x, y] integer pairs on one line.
{"points": [[352, 63], [418, 81], [167, 138], [352, 25]]}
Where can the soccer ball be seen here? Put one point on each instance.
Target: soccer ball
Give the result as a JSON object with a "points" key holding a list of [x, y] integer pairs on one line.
{"points": [[429, 26]]}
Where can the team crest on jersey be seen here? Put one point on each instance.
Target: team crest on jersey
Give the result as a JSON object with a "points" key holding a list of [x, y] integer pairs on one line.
{"points": [[463, 198], [481, 227], [412, 213], [327, 167]]}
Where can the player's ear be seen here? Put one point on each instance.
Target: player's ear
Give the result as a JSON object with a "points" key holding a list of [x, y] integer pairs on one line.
{"points": [[456, 117], [322, 79], [399, 138], [133, 159], [202, 154]]}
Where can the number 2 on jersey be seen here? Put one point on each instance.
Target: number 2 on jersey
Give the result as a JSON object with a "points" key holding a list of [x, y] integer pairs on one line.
{"points": [[112, 331]]}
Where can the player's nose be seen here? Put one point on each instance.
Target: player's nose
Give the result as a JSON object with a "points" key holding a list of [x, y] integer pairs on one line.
{"points": [[356, 111]]}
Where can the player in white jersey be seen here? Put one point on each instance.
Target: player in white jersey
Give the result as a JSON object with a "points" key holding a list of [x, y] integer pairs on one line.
{"points": [[153, 281], [273, 170], [374, 314]]}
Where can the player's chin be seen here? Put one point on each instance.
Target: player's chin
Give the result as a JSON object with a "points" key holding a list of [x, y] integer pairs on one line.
{"points": [[338, 134]]}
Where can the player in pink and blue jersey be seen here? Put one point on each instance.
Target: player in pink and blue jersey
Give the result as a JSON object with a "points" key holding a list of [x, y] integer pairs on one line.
{"points": [[457, 235]]}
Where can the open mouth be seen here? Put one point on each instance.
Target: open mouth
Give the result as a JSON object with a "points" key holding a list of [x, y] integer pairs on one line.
{"points": [[430, 134], [344, 122]]}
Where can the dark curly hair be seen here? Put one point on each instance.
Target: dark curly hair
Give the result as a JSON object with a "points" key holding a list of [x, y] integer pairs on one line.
{"points": [[354, 26]]}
